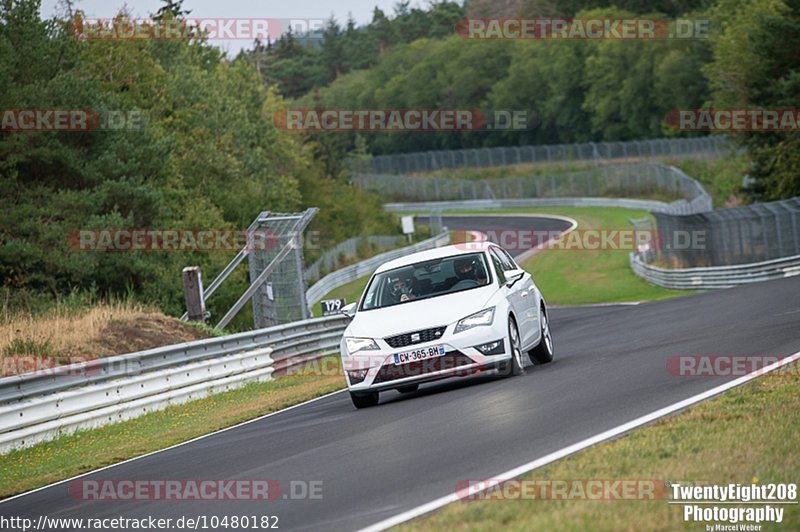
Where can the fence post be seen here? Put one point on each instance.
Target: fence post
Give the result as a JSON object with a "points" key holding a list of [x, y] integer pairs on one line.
{"points": [[193, 290]]}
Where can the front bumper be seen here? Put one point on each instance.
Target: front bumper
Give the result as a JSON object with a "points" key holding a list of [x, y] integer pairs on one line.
{"points": [[461, 358]]}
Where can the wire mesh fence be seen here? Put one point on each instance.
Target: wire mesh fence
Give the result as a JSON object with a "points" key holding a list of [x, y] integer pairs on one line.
{"points": [[645, 180], [724, 237], [346, 251], [282, 297], [710, 146]]}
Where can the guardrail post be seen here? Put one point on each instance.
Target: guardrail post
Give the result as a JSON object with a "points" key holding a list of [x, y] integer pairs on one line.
{"points": [[193, 290]]}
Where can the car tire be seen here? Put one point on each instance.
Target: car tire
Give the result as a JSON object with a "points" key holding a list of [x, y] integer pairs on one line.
{"points": [[513, 366], [543, 352], [408, 389], [364, 400]]}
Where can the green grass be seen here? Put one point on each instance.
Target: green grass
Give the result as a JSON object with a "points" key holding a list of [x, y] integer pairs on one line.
{"points": [[350, 292], [577, 277], [722, 178], [87, 450], [572, 277], [744, 436], [518, 170]]}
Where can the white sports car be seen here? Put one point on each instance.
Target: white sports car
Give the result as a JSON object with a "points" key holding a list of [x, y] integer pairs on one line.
{"points": [[445, 312]]}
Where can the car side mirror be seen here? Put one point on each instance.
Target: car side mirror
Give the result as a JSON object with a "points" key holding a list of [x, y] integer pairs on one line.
{"points": [[512, 276], [349, 310]]}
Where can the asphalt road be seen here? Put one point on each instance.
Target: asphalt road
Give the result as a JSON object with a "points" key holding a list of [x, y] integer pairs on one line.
{"points": [[517, 234], [609, 368]]}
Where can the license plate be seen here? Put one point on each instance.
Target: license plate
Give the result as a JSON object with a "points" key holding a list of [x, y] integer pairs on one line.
{"points": [[418, 354]]}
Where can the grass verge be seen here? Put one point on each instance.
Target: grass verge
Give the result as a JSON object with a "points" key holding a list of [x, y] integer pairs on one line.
{"points": [[746, 435], [722, 178], [87, 450], [585, 276], [572, 277]]}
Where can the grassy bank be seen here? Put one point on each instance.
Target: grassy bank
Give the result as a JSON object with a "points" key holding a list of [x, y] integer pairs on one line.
{"points": [[747, 435], [70, 332], [572, 277], [585, 276], [722, 178]]}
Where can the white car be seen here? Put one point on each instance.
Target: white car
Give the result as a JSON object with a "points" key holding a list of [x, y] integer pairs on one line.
{"points": [[445, 312]]}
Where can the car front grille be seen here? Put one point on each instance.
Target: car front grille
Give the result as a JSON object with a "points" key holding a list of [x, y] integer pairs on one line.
{"points": [[449, 360], [416, 337]]}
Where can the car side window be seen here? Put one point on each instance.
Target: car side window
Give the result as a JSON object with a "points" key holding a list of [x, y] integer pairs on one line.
{"points": [[498, 266], [511, 262], [505, 261]]}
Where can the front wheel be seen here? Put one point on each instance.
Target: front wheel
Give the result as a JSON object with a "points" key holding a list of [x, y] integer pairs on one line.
{"points": [[364, 400], [514, 365], [543, 353]]}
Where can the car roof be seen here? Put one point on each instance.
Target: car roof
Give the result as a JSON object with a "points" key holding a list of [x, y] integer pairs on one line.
{"points": [[436, 253]]}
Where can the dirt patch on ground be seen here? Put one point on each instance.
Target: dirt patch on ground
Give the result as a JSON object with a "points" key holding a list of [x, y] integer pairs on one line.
{"points": [[37, 343], [143, 332]]}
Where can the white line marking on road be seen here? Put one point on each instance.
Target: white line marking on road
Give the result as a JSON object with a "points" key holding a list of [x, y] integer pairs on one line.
{"points": [[566, 451], [151, 453]]}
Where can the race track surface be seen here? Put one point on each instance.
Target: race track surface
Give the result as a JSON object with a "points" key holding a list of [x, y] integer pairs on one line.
{"points": [[610, 367]]}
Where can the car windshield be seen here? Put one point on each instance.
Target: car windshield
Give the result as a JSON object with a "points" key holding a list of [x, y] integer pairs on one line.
{"points": [[427, 279]]}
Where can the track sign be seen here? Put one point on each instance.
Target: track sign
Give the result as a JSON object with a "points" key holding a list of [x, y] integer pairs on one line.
{"points": [[332, 306], [408, 224]]}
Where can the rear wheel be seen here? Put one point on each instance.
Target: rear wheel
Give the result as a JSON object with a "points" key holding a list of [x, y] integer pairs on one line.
{"points": [[514, 365], [409, 388], [543, 353], [364, 400]]}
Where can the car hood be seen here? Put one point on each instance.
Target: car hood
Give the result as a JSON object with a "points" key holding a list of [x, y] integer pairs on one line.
{"points": [[422, 314]]}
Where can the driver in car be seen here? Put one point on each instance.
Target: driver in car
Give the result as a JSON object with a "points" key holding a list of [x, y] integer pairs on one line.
{"points": [[401, 290], [467, 270]]}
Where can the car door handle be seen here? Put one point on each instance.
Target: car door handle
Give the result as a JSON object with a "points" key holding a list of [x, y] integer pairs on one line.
{"points": [[524, 294]]}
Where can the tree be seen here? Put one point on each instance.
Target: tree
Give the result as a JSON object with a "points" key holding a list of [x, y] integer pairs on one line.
{"points": [[381, 30], [756, 65], [172, 9], [333, 49]]}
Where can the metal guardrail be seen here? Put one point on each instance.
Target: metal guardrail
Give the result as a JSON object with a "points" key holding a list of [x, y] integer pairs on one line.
{"points": [[41, 406], [329, 261], [355, 271], [715, 277], [609, 182]]}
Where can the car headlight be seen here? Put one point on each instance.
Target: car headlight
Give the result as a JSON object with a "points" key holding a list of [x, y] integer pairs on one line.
{"points": [[483, 317], [354, 345]]}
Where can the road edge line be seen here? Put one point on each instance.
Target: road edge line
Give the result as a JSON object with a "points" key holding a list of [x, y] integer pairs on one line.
{"points": [[581, 445], [151, 453]]}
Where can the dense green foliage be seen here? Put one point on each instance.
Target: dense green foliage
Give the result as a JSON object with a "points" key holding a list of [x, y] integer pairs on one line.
{"points": [[757, 65], [572, 91], [209, 157]]}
